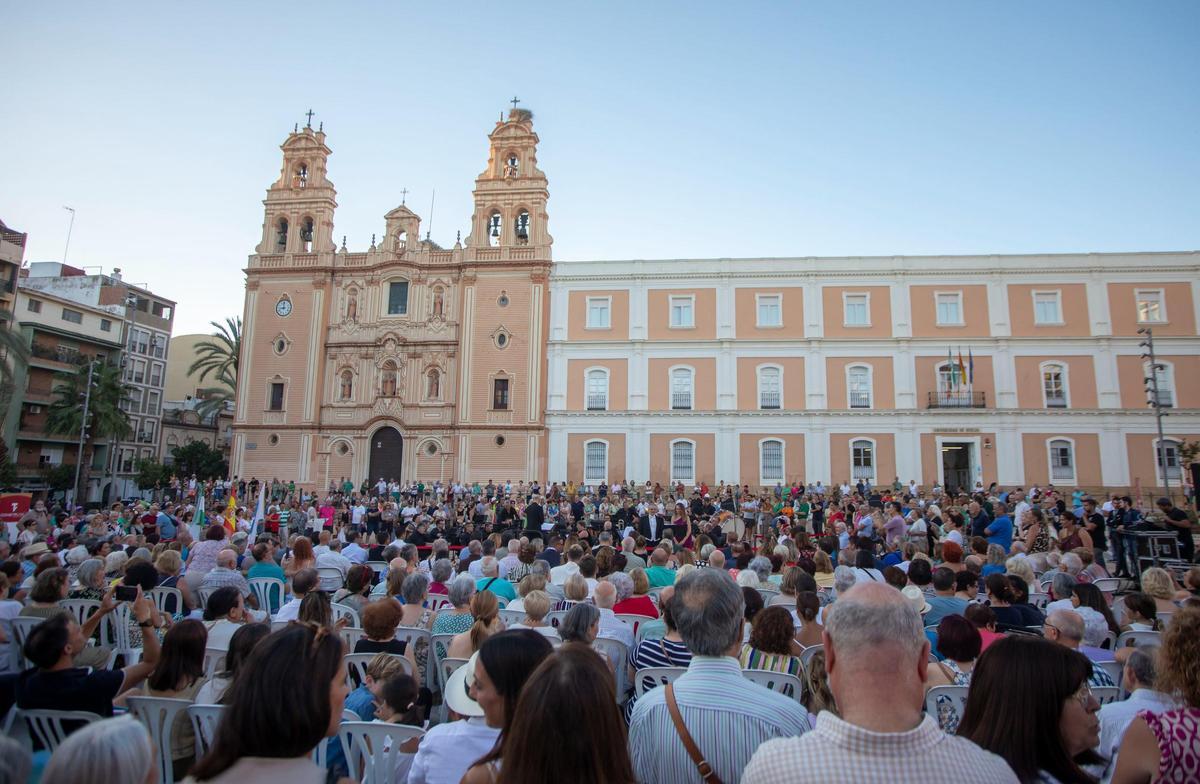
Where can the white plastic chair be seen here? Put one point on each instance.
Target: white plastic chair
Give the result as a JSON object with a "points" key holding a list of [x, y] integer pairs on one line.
{"points": [[1108, 585], [807, 654], [616, 652], [1039, 600], [118, 628], [378, 567], [438, 602], [650, 629], [205, 719], [947, 719], [649, 678], [341, 611], [268, 592], [277, 625], [784, 683], [159, 714], [214, 661], [371, 748], [331, 578], [356, 666], [414, 638], [21, 627], [555, 617], [351, 635], [1138, 638], [47, 726], [1106, 694], [1114, 669], [446, 668], [320, 752], [512, 617], [167, 600], [441, 645], [634, 620], [768, 595], [80, 609], [202, 595]]}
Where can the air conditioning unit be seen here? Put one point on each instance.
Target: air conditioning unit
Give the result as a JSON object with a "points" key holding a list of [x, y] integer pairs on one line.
{"points": [[35, 409]]}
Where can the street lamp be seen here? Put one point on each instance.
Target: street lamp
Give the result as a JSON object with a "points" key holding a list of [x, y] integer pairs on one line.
{"points": [[1155, 402]]}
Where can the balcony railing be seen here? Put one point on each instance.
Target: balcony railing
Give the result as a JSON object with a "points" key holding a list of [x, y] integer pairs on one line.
{"points": [[597, 402], [768, 400], [1061, 473], [1166, 399], [1056, 402], [860, 399], [947, 399], [681, 401]]}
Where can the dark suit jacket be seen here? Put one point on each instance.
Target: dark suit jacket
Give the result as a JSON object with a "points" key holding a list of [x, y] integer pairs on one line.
{"points": [[644, 527]]}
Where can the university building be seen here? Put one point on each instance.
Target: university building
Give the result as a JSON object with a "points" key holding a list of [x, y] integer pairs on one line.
{"points": [[490, 361]]}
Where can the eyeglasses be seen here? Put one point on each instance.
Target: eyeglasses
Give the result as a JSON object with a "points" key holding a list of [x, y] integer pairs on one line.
{"points": [[1083, 696]]}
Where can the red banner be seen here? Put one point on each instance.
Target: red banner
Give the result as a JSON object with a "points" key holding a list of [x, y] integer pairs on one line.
{"points": [[13, 506]]}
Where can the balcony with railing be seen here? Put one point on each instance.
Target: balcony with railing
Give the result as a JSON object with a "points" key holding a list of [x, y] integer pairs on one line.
{"points": [[1062, 473], [1166, 398], [681, 401], [957, 399], [860, 399], [1056, 401], [597, 402], [768, 400]]}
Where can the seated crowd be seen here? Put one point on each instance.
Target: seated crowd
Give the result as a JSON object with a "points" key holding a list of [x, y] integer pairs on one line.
{"points": [[876, 651]]}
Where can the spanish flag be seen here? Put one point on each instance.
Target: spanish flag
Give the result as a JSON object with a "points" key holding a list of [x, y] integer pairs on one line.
{"points": [[231, 514]]}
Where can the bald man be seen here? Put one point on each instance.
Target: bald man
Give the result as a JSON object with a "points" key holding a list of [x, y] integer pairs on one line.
{"points": [[226, 573], [876, 656], [1065, 627], [611, 627]]}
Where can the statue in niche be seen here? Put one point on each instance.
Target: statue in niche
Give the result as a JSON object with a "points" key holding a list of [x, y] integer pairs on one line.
{"points": [[438, 302], [347, 385], [435, 385], [388, 385], [352, 307]]}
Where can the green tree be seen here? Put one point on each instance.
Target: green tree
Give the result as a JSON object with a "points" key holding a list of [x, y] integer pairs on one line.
{"points": [[218, 358], [8, 471], [106, 418], [60, 477], [200, 459], [13, 349], [151, 474]]}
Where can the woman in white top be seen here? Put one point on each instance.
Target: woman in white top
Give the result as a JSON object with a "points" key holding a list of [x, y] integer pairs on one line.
{"points": [[240, 646], [537, 604], [224, 614], [396, 703]]}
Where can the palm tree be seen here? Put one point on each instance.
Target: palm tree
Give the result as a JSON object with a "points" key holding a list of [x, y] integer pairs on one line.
{"points": [[218, 357], [13, 349], [106, 418]]}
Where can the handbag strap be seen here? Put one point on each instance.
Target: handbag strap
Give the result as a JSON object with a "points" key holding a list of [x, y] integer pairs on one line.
{"points": [[702, 767]]}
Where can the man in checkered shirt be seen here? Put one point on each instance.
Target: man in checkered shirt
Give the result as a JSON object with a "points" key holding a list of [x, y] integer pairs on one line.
{"points": [[876, 658]]}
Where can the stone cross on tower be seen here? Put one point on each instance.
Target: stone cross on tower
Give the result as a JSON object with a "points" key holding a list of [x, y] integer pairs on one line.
{"points": [[515, 100], [309, 115], [403, 196]]}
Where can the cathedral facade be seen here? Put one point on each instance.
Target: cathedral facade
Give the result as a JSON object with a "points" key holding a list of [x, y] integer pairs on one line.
{"points": [[406, 360]]}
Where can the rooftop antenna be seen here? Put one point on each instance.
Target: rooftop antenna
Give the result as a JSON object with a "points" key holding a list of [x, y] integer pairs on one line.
{"points": [[429, 226], [69, 229]]}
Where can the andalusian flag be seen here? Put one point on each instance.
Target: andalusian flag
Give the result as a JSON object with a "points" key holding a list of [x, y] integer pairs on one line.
{"points": [[259, 515], [198, 517], [962, 368], [231, 514]]}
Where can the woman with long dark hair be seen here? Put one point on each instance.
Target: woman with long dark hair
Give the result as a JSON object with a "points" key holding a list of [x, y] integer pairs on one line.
{"points": [[179, 674], [571, 686], [240, 645], [1030, 703], [288, 698]]}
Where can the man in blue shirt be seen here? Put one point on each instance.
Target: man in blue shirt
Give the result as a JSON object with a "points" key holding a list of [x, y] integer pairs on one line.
{"points": [[1000, 530]]}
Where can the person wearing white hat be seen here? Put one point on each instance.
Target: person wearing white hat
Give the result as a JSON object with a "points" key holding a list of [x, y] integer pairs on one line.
{"points": [[916, 598]]}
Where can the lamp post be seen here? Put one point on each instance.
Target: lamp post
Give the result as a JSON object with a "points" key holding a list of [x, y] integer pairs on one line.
{"points": [[1155, 402]]}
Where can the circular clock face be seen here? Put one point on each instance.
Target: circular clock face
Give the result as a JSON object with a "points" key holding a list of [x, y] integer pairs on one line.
{"points": [[283, 307]]}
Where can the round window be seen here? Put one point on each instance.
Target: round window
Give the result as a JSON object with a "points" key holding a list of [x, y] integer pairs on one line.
{"points": [[343, 449], [502, 340], [503, 300], [499, 440], [431, 448], [273, 439], [280, 346]]}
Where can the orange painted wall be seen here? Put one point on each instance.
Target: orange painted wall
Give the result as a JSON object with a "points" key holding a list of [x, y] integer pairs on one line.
{"points": [[1081, 381], [1142, 458], [618, 382], [658, 315], [926, 370], [1131, 371], [793, 457], [660, 457], [883, 383], [880, 312], [704, 396], [618, 316], [1087, 458], [616, 454], [923, 309], [746, 307], [793, 381], [1074, 310], [839, 457], [1122, 308]]}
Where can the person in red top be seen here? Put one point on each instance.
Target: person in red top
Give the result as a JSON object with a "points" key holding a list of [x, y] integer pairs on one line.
{"points": [[985, 621], [632, 593]]}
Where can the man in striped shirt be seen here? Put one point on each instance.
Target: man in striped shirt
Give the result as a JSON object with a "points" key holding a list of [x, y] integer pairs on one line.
{"points": [[876, 659], [707, 608]]}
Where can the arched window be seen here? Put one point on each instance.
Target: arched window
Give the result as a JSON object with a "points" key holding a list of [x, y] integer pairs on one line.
{"points": [[770, 461], [521, 227], [512, 165], [401, 240], [281, 235], [1164, 374], [1166, 460], [1062, 460], [495, 223], [770, 387], [433, 384], [306, 235], [953, 388], [597, 390], [862, 460], [300, 178], [683, 462], [858, 386], [1054, 385], [682, 388], [387, 384], [595, 462], [346, 385]]}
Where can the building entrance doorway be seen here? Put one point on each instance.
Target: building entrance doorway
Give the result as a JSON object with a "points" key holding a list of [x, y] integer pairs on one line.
{"points": [[387, 455], [956, 466]]}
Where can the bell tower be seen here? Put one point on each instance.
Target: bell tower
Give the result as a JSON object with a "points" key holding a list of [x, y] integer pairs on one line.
{"points": [[299, 206], [510, 196]]}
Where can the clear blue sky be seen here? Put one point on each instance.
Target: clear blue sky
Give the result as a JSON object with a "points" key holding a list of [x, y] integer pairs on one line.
{"points": [[668, 129]]}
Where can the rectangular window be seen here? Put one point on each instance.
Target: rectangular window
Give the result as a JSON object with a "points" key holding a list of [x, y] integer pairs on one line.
{"points": [[862, 459], [152, 399], [157, 344], [949, 309], [1168, 454], [771, 460], [681, 389], [276, 396], [398, 298], [768, 388], [33, 305], [597, 390], [683, 462], [73, 316], [595, 462], [156, 374], [856, 310], [1151, 309], [1062, 463], [105, 325], [599, 313], [770, 310], [1053, 387], [139, 371], [683, 312], [134, 403], [500, 394], [146, 436], [1047, 307]]}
